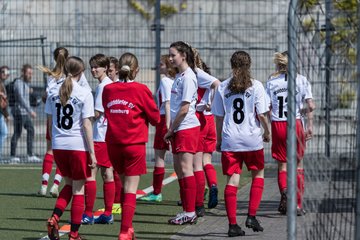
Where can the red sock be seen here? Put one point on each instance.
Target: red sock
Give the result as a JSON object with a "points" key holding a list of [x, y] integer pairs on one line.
{"points": [[189, 193], [257, 187], [181, 190], [46, 168], [77, 209], [64, 198], [90, 196], [118, 187], [282, 176], [200, 188], [301, 187], [230, 203], [210, 174], [158, 177], [109, 195], [128, 211]]}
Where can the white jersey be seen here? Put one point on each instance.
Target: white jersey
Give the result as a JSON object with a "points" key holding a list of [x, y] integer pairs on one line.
{"points": [[209, 94], [51, 82], [241, 130], [277, 91], [67, 128], [205, 81], [83, 82], [100, 124], [184, 89], [163, 93]]}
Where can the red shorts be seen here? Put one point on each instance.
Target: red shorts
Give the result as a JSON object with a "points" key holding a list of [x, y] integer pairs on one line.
{"points": [[73, 164], [160, 132], [278, 147], [102, 155], [210, 138], [232, 161], [47, 131], [203, 131], [129, 160], [185, 140]]}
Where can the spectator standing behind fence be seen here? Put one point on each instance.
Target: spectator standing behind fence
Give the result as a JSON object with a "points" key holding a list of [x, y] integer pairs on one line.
{"points": [[276, 88], [22, 113], [4, 114], [240, 106]]}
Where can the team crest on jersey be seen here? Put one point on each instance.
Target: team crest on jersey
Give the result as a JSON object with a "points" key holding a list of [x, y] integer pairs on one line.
{"points": [[247, 94]]}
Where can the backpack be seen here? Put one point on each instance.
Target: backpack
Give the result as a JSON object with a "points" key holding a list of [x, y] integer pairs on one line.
{"points": [[10, 93]]}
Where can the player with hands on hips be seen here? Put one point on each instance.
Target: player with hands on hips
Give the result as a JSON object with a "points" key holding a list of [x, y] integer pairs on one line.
{"points": [[240, 107], [69, 108]]}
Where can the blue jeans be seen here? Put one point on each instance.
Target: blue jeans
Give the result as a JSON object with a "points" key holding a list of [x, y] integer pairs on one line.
{"points": [[21, 121], [3, 132]]}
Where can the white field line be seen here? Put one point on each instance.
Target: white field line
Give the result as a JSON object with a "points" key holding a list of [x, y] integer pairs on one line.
{"points": [[145, 191]]}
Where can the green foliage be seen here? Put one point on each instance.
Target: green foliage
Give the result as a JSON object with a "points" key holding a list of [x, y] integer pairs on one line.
{"points": [[346, 5], [308, 4], [346, 98], [166, 10]]}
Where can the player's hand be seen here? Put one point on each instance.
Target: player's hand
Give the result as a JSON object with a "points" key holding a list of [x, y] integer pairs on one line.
{"points": [[93, 161], [266, 137], [168, 136], [33, 114], [308, 134]]}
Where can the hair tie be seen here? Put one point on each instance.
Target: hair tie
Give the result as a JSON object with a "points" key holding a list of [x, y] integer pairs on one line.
{"points": [[125, 68], [70, 75]]}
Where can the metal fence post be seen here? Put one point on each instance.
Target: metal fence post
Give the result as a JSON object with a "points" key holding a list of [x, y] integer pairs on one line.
{"points": [[291, 119], [328, 30], [357, 217], [157, 24]]}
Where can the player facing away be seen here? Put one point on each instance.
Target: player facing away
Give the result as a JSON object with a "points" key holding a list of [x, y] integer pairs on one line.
{"points": [[54, 75], [160, 146], [276, 88], [99, 65], [184, 128], [70, 108], [129, 107], [240, 107], [207, 137]]}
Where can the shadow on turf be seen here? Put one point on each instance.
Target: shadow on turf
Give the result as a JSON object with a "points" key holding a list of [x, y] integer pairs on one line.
{"points": [[24, 195]]}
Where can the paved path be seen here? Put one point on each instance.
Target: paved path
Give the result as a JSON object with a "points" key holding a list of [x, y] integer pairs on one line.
{"points": [[215, 224]]}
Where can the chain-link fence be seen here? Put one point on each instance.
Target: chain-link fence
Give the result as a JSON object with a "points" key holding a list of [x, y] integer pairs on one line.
{"points": [[31, 30]]}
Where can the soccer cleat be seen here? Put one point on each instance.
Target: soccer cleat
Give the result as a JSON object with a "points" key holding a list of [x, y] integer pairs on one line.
{"points": [[54, 191], [182, 218], [116, 208], [235, 230], [200, 211], [78, 237], [87, 220], [152, 198], [283, 203], [252, 222], [300, 212], [130, 235], [42, 191], [213, 197], [53, 228], [103, 219]]}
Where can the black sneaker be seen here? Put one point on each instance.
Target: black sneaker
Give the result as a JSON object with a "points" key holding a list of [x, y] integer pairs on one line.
{"points": [[179, 203], [213, 197], [252, 222], [235, 230], [300, 212], [200, 211], [283, 203]]}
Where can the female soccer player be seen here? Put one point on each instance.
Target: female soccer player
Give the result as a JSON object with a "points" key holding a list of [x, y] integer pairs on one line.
{"points": [[54, 75], [240, 106], [160, 146], [276, 88], [184, 128], [70, 108], [128, 107], [99, 65], [207, 137]]}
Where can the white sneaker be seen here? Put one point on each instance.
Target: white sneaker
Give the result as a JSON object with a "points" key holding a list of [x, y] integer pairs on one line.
{"points": [[54, 191], [42, 191], [14, 160], [34, 159]]}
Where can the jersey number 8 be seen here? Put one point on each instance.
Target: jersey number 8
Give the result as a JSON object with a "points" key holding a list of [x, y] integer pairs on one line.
{"points": [[66, 120], [238, 114]]}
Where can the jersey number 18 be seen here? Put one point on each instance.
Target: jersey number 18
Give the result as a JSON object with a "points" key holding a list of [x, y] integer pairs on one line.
{"points": [[66, 120]]}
